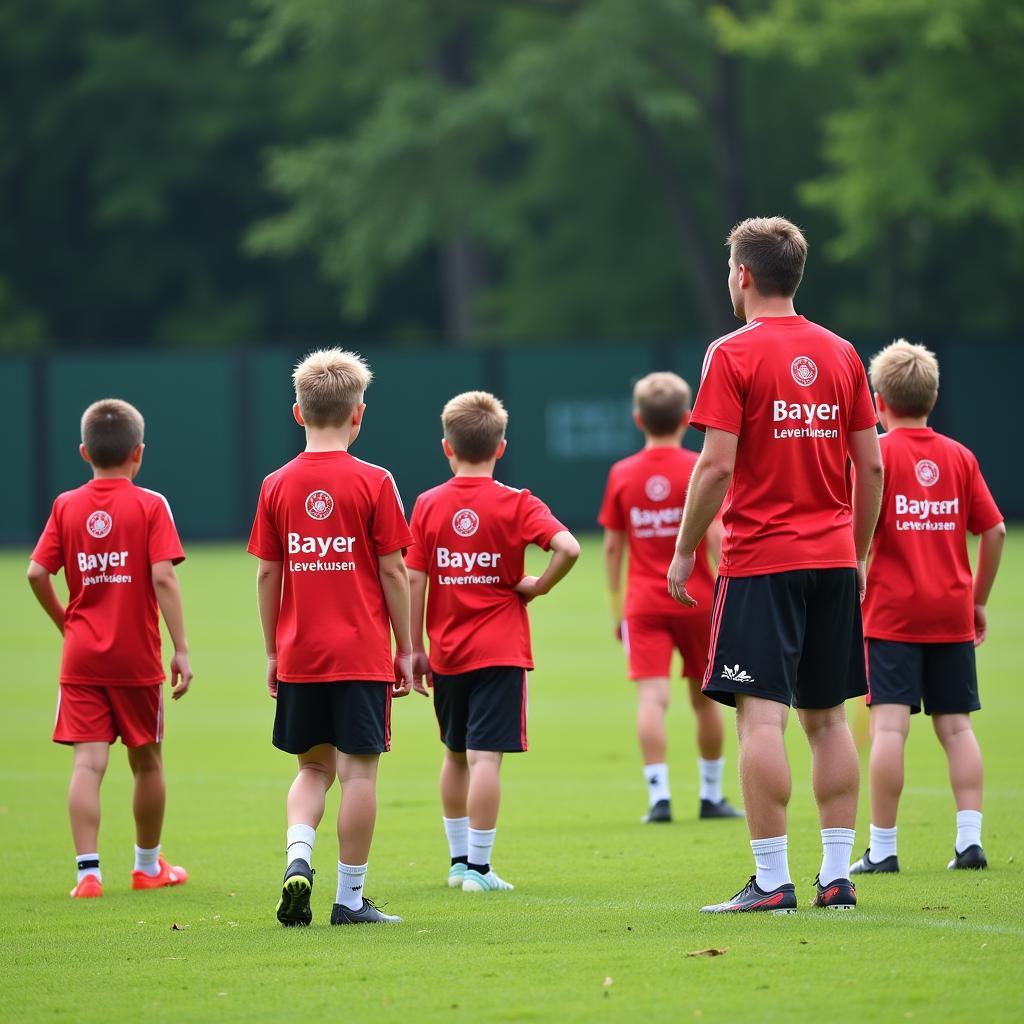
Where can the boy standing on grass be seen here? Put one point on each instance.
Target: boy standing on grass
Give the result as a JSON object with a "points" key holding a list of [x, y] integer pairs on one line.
{"points": [[330, 534], [924, 614], [642, 509], [470, 538], [118, 547]]}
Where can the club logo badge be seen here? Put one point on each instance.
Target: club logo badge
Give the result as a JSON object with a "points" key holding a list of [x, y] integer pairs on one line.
{"points": [[99, 524], [657, 488], [805, 373], [319, 505], [927, 473], [465, 522]]}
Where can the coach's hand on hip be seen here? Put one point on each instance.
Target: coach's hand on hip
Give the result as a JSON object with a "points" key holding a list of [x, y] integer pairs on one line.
{"points": [[678, 573]]}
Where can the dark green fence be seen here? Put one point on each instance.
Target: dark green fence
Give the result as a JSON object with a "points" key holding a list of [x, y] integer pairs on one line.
{"points": [[217, 424]]}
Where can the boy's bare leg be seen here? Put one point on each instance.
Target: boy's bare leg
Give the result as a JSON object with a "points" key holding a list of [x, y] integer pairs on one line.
{"points": [[149, 796], [455, 784], [652, 700], [484, 797], [357, 814], [88, 769], [710, 730], [890, 724], [317, 769], [966, 773]]}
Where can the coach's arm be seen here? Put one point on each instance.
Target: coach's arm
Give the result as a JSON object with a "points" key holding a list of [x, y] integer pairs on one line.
{"points": [[866, 456], [708, 488]]}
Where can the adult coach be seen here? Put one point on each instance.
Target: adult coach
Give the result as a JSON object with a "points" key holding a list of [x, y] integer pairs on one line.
{"points": [[785, 403]]}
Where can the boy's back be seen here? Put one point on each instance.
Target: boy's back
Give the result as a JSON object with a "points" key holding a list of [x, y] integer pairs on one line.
{"points": [[920, 588]]}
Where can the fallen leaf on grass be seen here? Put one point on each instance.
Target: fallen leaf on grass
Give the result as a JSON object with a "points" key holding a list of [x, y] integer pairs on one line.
{"points": [[945, 907], [803, 942], [609, 981], [708, 952], [178, 927]]}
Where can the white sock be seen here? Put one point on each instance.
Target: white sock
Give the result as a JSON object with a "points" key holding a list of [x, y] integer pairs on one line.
{"points": [[300, 843], [351, 878], [457, 831], [657, 783], [711, 779], [883, 844], [968, 829], [772, 862], [481, 843], [91, 859], [148, 860], [837, 848]]}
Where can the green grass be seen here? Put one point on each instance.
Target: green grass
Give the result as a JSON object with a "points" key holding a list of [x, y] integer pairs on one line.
{"points": [[605, 910]]}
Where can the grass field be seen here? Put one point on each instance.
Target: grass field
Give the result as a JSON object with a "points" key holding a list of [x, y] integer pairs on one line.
{"points": [[605, 914]]}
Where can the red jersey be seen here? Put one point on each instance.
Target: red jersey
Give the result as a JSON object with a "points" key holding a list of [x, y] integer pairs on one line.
{"points": [[792, 392], [470, 538], [328, 517], [644, 499], [106, 535], [920, 587]]}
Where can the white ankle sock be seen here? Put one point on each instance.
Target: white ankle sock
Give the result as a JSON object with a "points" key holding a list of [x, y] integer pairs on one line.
{"points": [[772, 862], [657, 783], [457, 831], [711, 779], [968, 829], [300, 843], [351, 879], [93, 860], [148, 861], [883, 844], [481, 844], [837, 848]]}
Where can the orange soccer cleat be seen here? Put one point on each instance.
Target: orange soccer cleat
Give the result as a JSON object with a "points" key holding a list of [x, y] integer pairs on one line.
{"points": [[87, 889], [167, 876]]}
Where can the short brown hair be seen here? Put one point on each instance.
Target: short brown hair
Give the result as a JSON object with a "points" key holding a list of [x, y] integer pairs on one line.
{"points": [[111, 431], [474, 425], [773, 249], [661, 400], [907, 377], [329, 384]]}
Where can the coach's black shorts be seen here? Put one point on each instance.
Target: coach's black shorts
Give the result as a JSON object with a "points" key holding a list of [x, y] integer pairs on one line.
{"points": [[353, 716], [482, 710], [943, 677], [793, 637]]}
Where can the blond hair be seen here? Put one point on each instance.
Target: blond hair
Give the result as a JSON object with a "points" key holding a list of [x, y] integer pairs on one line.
{"points": [[329, 384], [907, 377], [774, 250], [661, 400], [111, 430], [474, 425]]}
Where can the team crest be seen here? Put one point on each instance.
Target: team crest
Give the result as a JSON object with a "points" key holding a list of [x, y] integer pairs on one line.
{"points": [[657, 488], [319, 505], [99, 524], [805, 373], [465, 522], [927, 473]]}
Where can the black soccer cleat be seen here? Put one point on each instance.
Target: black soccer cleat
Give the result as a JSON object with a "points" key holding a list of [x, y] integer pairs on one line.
{"points": [[293, 907], [721, 809], [752, 898], [838, 895], [867, 866], [366, 914], [971, 859], [658, 812]]}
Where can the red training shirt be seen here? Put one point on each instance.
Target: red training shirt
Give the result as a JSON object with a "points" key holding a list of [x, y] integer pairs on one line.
{"points": [[792, 392], [328, 517], [920, 587], [470, 538], [106, 535], [644, 498]]}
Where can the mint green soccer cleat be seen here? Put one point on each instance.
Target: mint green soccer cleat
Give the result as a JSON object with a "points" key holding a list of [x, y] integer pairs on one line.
{"points": [[475, 882], [456, 873]]}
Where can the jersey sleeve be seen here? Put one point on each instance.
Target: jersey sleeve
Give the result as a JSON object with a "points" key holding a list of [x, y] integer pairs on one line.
{"points": [[265, 540], [538, 523], [720, 397], [862, 412], [984, 513], [416, 556], [610, 516], [164, 542], [390, 530], [49, 551]]}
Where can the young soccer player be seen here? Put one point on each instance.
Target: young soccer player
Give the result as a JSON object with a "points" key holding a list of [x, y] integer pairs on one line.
{"points": [[118, 547], [330, 534], [924, 614], [642, 508], [470, 537]]}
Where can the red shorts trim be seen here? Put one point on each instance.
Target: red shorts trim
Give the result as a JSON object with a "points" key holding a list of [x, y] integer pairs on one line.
{"points": [[101, 714], [649, 641]]}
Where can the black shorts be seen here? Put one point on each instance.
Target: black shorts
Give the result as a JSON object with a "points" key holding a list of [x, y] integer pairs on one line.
{"points": [[353, 716], [943, 677], [792, 637], [482, 710]]}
